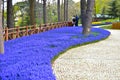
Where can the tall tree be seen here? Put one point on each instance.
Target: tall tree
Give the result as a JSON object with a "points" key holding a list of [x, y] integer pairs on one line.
{"points": [[95, 16], [32, 11], [114, 9], [44, 12], [58, 9], [65, 10], [86, 14], [21, 10], [118, 9], [83, 12], [10, 21], [3, 14], [1, 32], [62, 10], [105, 5]]}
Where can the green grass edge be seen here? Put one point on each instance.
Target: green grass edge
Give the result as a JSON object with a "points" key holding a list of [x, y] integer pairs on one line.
{"points": [[107, 27], [57, 56]]}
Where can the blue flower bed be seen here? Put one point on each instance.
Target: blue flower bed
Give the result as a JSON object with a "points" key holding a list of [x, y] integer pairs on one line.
{"points": [[29, 58]]}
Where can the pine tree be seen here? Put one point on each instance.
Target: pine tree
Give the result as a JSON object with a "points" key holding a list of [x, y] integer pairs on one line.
{"points": [[113, 9]]}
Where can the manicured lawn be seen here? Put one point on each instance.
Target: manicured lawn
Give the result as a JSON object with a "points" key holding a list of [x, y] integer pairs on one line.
{"points": [[107, 27], [29, 58]]}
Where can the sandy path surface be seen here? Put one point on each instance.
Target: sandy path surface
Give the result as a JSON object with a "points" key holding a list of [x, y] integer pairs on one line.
{"points": [[97, 61]]}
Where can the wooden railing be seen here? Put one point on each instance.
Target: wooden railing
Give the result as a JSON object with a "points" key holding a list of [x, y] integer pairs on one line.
{"points": [[17, 32]]}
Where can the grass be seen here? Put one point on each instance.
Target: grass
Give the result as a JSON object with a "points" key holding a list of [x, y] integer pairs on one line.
{"points": [[95, 33], [110, 20], [107, 27]]}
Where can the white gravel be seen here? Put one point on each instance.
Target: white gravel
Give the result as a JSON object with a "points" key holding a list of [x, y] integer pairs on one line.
{"points": [[97, 61]]}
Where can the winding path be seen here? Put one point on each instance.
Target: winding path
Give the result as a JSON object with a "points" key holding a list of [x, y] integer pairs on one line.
{"points": [[97, 61]]}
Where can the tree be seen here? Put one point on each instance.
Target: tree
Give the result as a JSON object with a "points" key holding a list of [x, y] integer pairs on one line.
{"points": [[32, 11], [95, 16], [114, 9], [10, 21], [58, 9], [65, 10], [44, 12], [3, 13], [73, 9], [83, 12], [39, 12], [118, 9], [1, 32], [86, 15], [100, 4], [20, 11], [52, 11], [62, 10]]}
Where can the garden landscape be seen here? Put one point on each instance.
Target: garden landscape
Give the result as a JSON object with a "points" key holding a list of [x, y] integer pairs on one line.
{"points": [[46, 40]]}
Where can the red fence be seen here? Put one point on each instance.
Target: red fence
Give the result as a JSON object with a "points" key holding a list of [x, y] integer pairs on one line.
{"points": [[17, 32]]}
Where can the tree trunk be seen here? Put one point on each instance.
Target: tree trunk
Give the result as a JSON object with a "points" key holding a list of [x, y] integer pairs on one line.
{"points": [[95, 16], [32, 12], [83, 12], [44, 12], [66, 10], [1, 32], [10, 21], [3, 14], [37, 11], [62, 10], [58, 8], [87, 16]]}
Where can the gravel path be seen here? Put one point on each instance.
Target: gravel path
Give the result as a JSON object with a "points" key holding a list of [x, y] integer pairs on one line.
{"points": [[97, 61]]}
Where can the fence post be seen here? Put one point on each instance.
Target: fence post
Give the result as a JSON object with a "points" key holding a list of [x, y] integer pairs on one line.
{"points": [[26, 30], [34, 29], [39, 30], [17, 31], [6, 33]]}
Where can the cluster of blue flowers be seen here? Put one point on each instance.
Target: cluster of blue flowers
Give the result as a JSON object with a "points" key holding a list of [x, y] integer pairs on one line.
{"points": [[29, 57]]}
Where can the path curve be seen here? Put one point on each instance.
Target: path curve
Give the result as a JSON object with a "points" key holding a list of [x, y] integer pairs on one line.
{"points": [[97, 61]]}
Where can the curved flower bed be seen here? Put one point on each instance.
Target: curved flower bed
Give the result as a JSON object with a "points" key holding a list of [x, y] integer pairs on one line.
{"points": [[29, 58]]}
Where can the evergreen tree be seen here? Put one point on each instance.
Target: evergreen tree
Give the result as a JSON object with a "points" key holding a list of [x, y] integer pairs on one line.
{"points": [[113, 9]]}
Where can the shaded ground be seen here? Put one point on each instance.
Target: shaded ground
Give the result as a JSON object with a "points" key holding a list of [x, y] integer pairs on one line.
{"points": [[98, 61]]}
